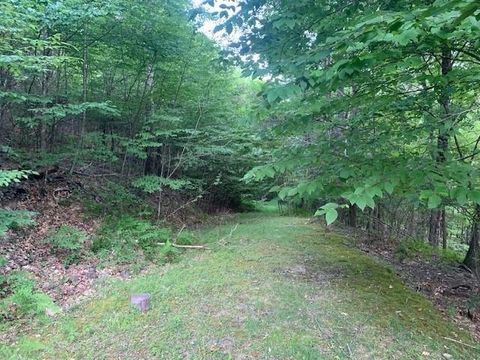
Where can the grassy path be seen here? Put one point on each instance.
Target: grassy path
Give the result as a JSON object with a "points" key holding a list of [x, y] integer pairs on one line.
{"points": [[278, 288]]}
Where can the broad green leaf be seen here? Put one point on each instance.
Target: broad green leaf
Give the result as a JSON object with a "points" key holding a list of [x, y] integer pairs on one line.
{"points": [[330, 216], [434, 201]]}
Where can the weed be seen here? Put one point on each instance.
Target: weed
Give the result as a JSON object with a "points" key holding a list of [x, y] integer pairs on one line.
{"points": [[15, 219], [473, 303], [451, 311], [125, 237], [68, 240], [20, 299], [169, 252], [413, 248], [115, 199], [185, 238]]}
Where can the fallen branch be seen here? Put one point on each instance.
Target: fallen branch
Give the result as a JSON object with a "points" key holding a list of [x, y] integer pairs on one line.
{"points": [[199, 247], [465, 286], [461, 343]]}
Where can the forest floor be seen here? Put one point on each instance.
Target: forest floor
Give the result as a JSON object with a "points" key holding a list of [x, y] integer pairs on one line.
{"points": [[269, 287]]}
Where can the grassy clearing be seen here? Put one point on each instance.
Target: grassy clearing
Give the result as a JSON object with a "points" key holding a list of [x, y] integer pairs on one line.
{"points": [[276, 288]]}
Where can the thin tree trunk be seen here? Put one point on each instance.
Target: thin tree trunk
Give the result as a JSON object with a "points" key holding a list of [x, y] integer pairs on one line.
{"points": [[435, 233], [437, 227], [472, 259], [444, 230], [352, 216], [180, 83], [84, 84]]}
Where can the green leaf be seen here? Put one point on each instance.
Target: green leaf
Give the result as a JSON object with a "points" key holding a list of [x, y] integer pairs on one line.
{"points": [[330, 212], [434, 201], [331, 215], [461, 196], [389, 187], [474, 196], [361, 202]]}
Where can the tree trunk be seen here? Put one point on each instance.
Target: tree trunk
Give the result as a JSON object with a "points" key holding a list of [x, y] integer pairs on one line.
{"points": [[472, 259], [84, 84], [151, 162], [444, 230], [437, 229], [352, 216]]}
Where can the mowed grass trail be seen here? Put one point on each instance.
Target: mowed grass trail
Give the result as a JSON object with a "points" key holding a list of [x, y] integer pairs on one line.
{"points": [[276, 288]]}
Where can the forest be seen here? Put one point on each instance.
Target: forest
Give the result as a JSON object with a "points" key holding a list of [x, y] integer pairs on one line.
{"points": [[239, 179]]}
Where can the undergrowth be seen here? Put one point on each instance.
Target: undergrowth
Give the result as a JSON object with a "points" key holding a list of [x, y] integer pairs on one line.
{"points": [[15, 219], [123, 239], [416, 248], [19, 299], [111, 198], [127, 236], [69, 241]]}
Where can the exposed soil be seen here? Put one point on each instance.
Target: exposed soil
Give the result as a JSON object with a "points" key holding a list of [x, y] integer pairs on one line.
{"points": [[26, 250]]}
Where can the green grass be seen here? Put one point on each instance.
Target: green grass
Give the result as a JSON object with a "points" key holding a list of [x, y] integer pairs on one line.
{"points": [[270, 288]]}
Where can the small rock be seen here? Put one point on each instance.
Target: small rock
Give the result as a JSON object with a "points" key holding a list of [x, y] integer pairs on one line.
{"points": [[50, 286], [74, 279], [447, 356], [141, 301], [92, 273], [296, 270], [51, 313]]}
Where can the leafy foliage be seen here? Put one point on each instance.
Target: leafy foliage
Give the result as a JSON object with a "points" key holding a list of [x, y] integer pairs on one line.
{"points": [[69, 240], [18, 297], [15, 219], [66, 238], [151, 184], [126, 238], [10, 176], [371, 99], [114, 199]]}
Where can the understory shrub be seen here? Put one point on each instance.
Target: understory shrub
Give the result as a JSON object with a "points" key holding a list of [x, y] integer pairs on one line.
{"points": [[115, 199], [15, 219], [185, 238], [409, 249], [126, 237], [69, 241], [18, 297]]}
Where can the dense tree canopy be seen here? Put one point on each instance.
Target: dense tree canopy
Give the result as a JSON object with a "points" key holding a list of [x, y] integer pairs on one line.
{"points": [[366, 100], [131, 86], [375, 98]]}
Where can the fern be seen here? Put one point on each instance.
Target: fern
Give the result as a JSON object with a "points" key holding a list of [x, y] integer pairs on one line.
{"points": [[12, 176], [13, 219]]}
